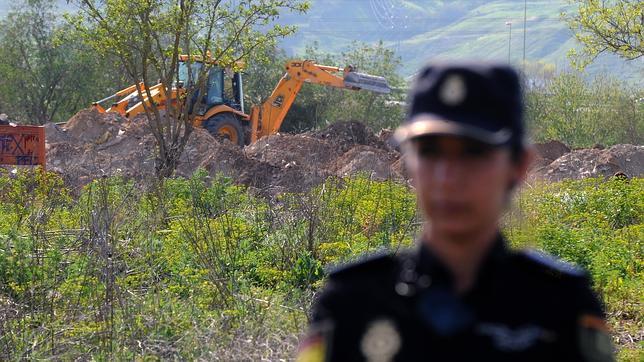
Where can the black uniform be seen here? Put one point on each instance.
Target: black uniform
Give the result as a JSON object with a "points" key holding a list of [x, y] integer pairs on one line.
{"points": [[524, 306]]}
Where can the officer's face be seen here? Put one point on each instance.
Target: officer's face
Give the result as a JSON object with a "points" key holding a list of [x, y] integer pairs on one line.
{"points": [[462, 184]]}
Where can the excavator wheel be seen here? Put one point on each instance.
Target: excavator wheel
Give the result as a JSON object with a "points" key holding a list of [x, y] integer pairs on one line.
{"points": [[225, 125]]}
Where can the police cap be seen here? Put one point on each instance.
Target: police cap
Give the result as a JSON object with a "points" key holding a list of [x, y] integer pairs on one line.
{"points": [[474, 100]]}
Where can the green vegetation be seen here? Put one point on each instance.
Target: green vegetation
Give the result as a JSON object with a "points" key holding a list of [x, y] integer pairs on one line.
{"points": [[597, 225], [202, 268], [47, 73], [582, 113], [193, 268], [615, 26]]}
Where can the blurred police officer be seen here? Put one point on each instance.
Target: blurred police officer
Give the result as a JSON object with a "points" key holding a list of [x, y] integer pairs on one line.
{"points": [[462, 294]]}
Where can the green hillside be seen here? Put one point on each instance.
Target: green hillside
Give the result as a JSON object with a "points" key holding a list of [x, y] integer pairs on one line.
{"points": [[420, 30], [431, 29]]}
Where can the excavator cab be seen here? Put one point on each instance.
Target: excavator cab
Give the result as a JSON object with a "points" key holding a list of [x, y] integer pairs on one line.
{"points": [[222, 86]]}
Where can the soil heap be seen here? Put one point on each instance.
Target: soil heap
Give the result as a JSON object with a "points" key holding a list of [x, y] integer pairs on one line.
{"points": [[93, 144], [595, 162]]}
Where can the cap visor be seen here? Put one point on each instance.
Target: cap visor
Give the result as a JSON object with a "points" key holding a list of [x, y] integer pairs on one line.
{"points": [[426, 125]]}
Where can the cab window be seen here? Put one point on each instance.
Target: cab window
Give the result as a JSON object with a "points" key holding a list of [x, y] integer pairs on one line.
{"points": [[215, 86]]}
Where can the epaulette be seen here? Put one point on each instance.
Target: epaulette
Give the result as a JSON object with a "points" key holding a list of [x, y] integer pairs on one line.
{"points": [[551, 263], [371, 263]]}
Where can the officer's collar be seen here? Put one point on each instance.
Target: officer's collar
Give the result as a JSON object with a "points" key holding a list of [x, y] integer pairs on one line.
{"points": [[429, 263]]}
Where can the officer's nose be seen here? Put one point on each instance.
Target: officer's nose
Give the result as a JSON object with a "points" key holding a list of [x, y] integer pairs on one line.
{"points": [[448, 172]]}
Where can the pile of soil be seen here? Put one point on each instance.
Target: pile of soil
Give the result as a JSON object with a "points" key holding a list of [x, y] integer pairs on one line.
{"points": [[93, 144], [386, 136], [375, 162], [595, 162], [346, 135], [285, 150], [547, 152]]}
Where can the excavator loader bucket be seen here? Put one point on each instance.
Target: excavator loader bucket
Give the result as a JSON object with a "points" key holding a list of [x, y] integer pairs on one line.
{"points": [[366, 81]]}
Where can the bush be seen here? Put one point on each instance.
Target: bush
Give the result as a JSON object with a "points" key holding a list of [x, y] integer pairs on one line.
{"points": [[580, 113], [598, 225], [201, 268]]}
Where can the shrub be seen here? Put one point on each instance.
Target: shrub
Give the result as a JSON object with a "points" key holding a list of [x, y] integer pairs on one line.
{"points": [[584, 113], [202, 268]]}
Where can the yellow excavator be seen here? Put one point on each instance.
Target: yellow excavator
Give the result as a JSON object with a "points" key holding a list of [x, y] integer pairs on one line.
{"points": [[221, 109]]}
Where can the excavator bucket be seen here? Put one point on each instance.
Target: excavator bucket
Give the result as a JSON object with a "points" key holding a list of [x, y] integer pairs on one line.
{"points": [[366, 81]]}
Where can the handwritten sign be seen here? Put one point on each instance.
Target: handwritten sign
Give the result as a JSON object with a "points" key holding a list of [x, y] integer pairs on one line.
{"points": [[22, 145]]}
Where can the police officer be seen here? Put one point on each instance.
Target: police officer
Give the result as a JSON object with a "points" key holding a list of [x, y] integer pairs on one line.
{"points": [[462, 294]]}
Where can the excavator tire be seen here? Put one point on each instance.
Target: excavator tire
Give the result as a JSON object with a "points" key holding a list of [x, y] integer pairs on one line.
{"points": [[225, 125]]}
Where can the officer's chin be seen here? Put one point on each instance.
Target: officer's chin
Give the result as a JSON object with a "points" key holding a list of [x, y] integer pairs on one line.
{"points": [[452, 229]]}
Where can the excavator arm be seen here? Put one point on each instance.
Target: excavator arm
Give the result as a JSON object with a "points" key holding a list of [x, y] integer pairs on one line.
{"points": [[267, 118]]}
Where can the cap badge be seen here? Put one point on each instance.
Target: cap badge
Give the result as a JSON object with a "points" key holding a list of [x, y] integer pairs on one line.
{"points": [[381, 342], [453, 90]]}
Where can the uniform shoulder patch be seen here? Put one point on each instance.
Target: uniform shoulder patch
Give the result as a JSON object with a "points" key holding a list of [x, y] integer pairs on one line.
{"points": [[312, 349], [594, 339], [551, 263], [367, 264]]}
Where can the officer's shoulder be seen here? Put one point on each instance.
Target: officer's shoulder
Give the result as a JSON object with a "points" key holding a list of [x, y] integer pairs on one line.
{"points": [[544, 264], [381, 262]]}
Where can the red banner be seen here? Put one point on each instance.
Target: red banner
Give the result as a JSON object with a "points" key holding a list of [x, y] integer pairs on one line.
{"points": [[22, 145]]}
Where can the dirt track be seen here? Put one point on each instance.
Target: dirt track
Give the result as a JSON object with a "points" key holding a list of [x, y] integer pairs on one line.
{"points": [[91, 144]]}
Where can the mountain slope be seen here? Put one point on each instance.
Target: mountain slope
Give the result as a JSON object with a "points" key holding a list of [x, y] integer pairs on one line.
{"points": [[421, 30]]}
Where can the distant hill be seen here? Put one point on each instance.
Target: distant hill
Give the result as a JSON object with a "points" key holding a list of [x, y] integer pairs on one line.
{"points": [[420, 30]]}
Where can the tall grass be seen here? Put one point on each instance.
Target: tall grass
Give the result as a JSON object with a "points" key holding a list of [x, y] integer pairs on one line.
{"points": [[201, 268]]}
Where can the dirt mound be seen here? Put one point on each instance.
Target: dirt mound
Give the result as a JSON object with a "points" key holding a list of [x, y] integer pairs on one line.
{"points": [[55, 133], [386, 136], [366, 159], [400, 169], [305, 160], [283, 150], [549, 151], [593, 162], [94, 144], [346, 135], [91, 126]]}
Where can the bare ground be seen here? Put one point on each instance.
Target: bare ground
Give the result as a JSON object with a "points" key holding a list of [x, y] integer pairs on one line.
{"points": [[92, 144]]}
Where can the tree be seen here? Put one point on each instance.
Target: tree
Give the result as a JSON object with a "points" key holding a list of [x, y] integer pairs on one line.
{"points": [[149, 36], [614, 26], [47, 75], [374, 109], [317, 106], [582, 113], [263, 73]]}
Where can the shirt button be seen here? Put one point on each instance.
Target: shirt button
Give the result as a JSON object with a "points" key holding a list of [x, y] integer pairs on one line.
{"points": [[404, 289]]}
